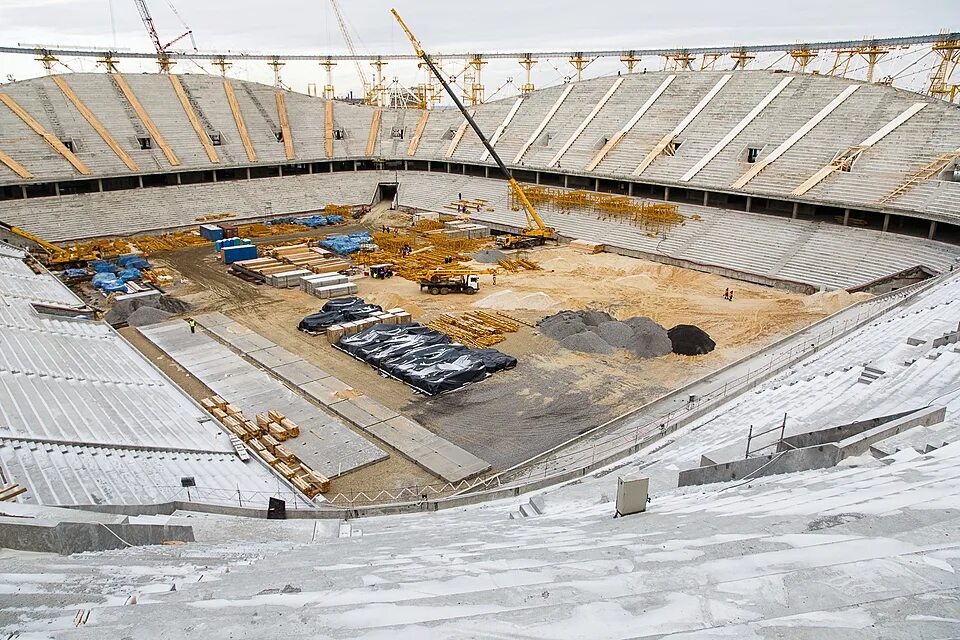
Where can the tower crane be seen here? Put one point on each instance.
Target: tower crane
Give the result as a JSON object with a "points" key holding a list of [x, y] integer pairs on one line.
{"points": [[352, 49], [163, 50], [536, 232]]}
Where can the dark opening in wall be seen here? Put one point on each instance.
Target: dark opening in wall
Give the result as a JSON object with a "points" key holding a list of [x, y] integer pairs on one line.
{"points": [[580, 182], [145, 143], [343, 165], [396, 133], [11, 192], [296, 169], [78, 186], [736, 202], [909, 226], [226, 175], [438, 167], [264, 172], [321, 167], [339, 134], [418, 165], [279, 135], [41, 190], [477, 170], [120, 184], [160, 179], [448, 134], [216, 139], [752, 154], [550, 179], [389, 165], [196, 177], [71, 146]]}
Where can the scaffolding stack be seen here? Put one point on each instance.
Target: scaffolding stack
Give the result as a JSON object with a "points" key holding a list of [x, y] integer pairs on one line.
{"points": [[653, 217]]}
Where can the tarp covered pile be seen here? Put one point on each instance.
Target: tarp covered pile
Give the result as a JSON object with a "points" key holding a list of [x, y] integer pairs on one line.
{"points": [[344, 244], [338, 311], [424, 358]]}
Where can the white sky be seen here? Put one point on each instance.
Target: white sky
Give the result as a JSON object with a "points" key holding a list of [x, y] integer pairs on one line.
{"points": [[281, 26]]}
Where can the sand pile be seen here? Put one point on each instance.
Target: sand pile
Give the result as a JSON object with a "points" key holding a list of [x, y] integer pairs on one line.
{"points": [[508, 299], [689, 340], [147, 315], [390, 300], [594, 331], [833, 301], [640, 281], [489, 256]]}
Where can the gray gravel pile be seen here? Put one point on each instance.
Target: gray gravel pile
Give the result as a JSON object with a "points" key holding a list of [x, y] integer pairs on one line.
{"points": [[594, 331], [489, 256], [147, 315], [586, 342], [121, 311]]}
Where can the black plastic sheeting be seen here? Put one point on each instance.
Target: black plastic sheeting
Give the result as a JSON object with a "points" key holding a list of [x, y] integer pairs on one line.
{"points": [[690, 340], [338, 311], [424, 358]]}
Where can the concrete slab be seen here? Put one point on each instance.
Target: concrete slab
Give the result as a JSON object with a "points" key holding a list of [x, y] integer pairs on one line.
{"points": [[349, 410], [325, 444], [214, 319], [273, 357], [325, 391], [428, 450], [300, 372], [374, 408]]}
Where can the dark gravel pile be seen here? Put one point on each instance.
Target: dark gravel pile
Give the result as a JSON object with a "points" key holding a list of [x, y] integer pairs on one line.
{"points": [[689, 340], [594, 331]]}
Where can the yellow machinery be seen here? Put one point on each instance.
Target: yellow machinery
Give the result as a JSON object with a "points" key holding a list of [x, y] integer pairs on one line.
{"points": [[56, 256], [536, 232], [442, 281]]}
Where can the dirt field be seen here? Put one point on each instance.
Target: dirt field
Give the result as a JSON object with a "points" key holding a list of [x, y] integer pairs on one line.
{"points": [[553, 394]]}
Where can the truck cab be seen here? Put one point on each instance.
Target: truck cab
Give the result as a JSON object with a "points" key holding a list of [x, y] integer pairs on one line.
{"points": [[441, 284]]}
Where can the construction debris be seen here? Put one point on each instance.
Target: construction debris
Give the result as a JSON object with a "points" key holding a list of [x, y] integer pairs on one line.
{"points": [[584, 246]]}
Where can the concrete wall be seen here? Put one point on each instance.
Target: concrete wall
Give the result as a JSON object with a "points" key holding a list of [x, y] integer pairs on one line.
{"points": [[77, 537]]}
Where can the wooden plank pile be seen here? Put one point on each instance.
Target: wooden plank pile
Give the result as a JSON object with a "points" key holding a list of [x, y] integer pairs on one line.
{"points": [[520, 264], [428, 252], [263, 435], [477, 329], [283, 266], [9, 492], [585, 246]]}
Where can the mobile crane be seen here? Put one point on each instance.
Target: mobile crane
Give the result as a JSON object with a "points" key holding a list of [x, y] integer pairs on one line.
{"points": [[536, 232], [55, 256]]}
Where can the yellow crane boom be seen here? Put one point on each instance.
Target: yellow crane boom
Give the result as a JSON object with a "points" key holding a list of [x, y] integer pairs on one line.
{"points": [[56, 255], [535, 226]]}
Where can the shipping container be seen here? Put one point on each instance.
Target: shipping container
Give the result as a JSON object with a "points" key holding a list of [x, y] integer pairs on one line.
{"points": [[241, 252], [211, 232]]}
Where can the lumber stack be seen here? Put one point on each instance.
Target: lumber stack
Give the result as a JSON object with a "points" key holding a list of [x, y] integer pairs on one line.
{"points": [[585, 246], [477, 329], [9, 492], [519, 264], [429, 251], [264, 436]]}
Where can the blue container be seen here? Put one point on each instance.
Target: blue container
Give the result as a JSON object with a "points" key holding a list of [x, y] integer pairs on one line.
{"points": [[211, 232], [238, 253]]}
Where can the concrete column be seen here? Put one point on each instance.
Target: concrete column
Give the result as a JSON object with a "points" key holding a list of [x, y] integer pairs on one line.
{"points": [[933, 230], [886, 221], [463, 169], [405, 165], [846, 217], [23, 191], [565, 182], [100, 184], [330, 165], [630, 189], [706, 198], [279, 171], [56, 188], [796, 210], [140, 180], [537, 177], [596, 184], [356, 166], [214, 172], [448, 167], [749, 204], [666, 193], [248, 173], [310, 168], [486, 172]]}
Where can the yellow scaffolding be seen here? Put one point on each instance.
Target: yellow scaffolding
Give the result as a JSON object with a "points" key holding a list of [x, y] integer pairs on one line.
{"points": [[653, 217]]}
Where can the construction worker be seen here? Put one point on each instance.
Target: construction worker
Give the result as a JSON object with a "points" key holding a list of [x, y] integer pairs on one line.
{"points": [[494, 278], [731, 296], [726, 293], [192, 324]]}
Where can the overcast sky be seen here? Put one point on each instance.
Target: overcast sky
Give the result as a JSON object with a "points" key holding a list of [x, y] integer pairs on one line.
{"points": [[279, 26]]}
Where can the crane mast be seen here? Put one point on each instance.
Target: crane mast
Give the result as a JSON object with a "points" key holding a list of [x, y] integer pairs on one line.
{"points": [[535, 226], [351, 48]]}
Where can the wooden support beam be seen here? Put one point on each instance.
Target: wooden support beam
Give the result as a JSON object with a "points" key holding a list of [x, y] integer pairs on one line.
{"points": [[146, 119], [374, 131], [51, 139], [328, 127], [543, 124], [15, 166], [586, 122], [618, 136], [238, 119], [71, 95], [457, 137], [503, 127], [285, 126], [194, 121], [418, 134]]}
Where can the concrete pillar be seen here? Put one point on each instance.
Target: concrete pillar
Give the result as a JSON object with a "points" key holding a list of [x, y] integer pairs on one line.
{"points": [[56, 188], [537, 177], [463, 169], [796, 211], [886, 221], [630, 189], [356, 166], [596, 184], [933, 230], [846, 217], [429, 166], [310, 169], [248, 173], [666, 193], [23, 191], [486, 172], [140, 180], [405, 165], [214, 172], [749, 204], [706, 198], [565, 182], [100, 184]]}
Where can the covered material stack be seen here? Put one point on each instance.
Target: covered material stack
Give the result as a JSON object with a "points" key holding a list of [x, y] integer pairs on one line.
{"points": [[426, 359], [339, 311]]}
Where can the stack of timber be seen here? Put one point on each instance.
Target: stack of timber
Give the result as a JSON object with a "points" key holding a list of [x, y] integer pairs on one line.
{"points": [[519, 264], [327, 285], [9, 492], [584, 246], [426, 252], [391, 316], [263, 435], [477, 329]]}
